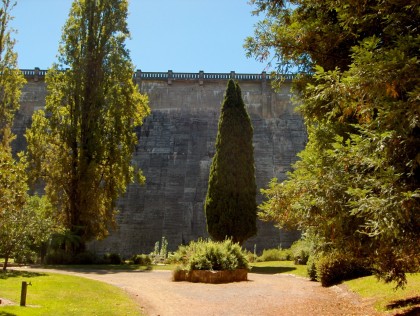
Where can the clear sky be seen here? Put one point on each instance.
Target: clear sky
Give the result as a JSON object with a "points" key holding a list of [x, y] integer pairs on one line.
{"points": [[178, 35]]}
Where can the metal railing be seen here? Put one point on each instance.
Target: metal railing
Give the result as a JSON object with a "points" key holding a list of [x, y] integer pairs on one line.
{"points": [[37, 73]]}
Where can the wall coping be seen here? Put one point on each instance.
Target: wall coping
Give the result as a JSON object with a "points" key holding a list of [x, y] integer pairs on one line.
{"points": [[39, 74]]}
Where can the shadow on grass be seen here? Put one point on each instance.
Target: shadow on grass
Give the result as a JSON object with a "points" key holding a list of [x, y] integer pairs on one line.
{"points": [[6, 314], [15, 274], [271, 270], [98, 269], [412, 303]]}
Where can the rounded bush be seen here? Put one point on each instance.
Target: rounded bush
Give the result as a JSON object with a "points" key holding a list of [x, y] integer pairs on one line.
{"points": [[112, 258], [210, 255], [143, 260], [301, 250], [333, 268]]}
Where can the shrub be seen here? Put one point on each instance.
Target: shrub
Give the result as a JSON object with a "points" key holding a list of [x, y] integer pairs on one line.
{"points": [[311, 268], [143, 260], [332, 268], [160, 252], [112, 258], [210, 255], [85, 258], [58, 256], [27, 257], [275, 255], [301, 250]]}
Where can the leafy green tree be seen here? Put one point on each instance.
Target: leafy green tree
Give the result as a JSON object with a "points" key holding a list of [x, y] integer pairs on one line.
{"points": [[356, 186], [230, 204], [81, 145], [11, 79], [13, 185], [13, 196]]}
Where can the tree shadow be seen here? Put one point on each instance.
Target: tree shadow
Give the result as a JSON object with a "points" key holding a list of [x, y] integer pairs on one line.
{"points": [[6, 314], [15, 274], [99, 269], [412, 304], [271, 270]]}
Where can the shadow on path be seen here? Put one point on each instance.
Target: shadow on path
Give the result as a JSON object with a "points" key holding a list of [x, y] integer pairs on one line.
{"points": [[413, 304]]}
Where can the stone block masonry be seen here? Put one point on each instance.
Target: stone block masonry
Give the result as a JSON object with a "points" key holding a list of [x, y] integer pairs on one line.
{"points": [[176, 146]]}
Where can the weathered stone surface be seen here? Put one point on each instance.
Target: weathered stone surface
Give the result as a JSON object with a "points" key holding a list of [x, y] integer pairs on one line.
{"points": [[176, 145], [210, 276]]}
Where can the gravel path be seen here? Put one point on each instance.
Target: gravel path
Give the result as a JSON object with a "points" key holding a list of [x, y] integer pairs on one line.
{"points": [[262, 295]]}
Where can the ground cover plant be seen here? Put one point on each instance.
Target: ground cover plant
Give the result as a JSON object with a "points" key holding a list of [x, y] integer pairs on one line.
{"points": [[57, 294]]}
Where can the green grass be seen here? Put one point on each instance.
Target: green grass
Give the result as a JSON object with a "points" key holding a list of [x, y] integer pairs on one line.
{"points": [[273, 267], [62, 295], [386, 298]]}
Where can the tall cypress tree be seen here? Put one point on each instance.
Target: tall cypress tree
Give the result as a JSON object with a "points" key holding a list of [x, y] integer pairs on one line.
{"points": [[230, 204]]}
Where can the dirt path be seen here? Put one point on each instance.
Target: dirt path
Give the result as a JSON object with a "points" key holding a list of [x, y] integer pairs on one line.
{"points": [[262, 295]]}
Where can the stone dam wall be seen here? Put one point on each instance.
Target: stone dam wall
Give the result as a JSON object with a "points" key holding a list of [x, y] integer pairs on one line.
{"points": [[175, 150]]}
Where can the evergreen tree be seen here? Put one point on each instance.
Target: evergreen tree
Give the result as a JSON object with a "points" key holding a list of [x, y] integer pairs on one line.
{"points": [[81, 145], [230, 204]]}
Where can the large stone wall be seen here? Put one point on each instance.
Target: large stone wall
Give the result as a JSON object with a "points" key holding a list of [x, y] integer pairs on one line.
{"points": [[176, 145]]}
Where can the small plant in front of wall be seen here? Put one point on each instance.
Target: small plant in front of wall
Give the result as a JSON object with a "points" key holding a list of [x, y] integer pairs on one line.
{"points": [[160, 252]]}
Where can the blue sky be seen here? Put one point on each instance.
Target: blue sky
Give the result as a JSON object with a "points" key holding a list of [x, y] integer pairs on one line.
{"points": [[178, 35]]}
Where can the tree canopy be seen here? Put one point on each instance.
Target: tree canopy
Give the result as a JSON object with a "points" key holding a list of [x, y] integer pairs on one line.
{"points": [[81, 145], [356, 185], [230, 204]]}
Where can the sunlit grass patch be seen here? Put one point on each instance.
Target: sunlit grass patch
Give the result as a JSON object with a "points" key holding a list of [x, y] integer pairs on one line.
{"points": [[386, 297], [58, 294]]}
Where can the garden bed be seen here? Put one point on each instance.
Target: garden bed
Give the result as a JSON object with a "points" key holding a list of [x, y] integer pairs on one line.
{"points": [[211, 276]]}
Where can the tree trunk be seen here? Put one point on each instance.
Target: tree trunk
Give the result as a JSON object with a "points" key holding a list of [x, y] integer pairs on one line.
{"points": [[6, 260]]}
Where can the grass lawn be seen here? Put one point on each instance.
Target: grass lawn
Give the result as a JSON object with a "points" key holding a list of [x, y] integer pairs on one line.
{"points": [[386, 298], [57, 294]]}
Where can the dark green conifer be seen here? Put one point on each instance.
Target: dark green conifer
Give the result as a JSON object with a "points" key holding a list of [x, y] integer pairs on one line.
{"points": [[230, 205]]}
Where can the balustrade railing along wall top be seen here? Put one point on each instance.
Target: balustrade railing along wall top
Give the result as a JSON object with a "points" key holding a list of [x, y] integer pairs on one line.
{"points": [[37, 73]]}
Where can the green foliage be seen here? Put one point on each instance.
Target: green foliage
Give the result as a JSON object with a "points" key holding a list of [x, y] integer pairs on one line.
{"points": [[112, 258], [13, 187], [301, 250], [143, 260], [91, 112], [230, 205], [84, 258], [11, 79], [311, 268], [160, 252], [356, 186], [275, 255], [211, 255], [333, 268], [58, 256]]}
